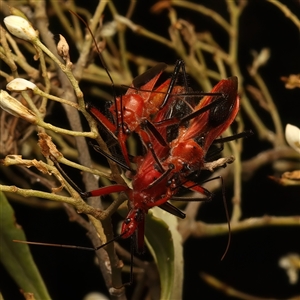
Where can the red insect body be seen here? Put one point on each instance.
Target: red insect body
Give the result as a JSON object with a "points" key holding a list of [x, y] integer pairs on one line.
{"points": [[185, 153], [161, 172], [133, 108], [144, 186], [151, 187], [159, 175]]}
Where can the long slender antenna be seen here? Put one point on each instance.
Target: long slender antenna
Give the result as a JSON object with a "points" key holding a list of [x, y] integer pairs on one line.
{"points": [[56, 245], [96, 45], [225, 207], [70, 246], [101, 58], [67, 178]]}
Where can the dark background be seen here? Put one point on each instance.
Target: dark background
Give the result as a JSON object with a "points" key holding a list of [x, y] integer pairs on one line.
{"points": [[251, 264]]}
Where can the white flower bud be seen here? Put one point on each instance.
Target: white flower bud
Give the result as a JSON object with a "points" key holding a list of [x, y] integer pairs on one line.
{"points": [[63, 48], [20, 28], [16, 108], [109, 29], [95, 296], [292, 135], [291, 264], [20, 84], [260, 59]]}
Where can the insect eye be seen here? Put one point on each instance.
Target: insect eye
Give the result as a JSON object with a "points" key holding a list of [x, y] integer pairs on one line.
{"points": [[127, 221], [171, 167]]}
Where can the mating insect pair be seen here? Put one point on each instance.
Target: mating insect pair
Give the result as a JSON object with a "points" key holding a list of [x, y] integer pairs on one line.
{"points": [[167, 165], [171, 158], [160, 173]]}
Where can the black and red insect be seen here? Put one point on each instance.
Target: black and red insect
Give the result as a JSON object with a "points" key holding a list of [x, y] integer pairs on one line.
{"points": [[168, 162]]}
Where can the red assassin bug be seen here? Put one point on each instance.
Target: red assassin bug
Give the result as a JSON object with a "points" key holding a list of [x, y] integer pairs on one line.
{"points": [[134, 111], [139, 104], [186, 155]]}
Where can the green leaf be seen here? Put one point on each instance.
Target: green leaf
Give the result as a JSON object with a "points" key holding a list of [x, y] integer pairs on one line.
{"points": [[16, 257], [164, 243]]}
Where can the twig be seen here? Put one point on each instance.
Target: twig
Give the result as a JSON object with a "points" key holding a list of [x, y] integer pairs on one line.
{"points": [[232, 292]]}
